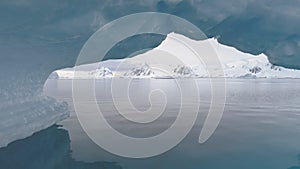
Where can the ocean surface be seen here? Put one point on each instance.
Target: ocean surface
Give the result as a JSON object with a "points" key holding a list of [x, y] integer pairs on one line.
{"points": [[260, 128]]}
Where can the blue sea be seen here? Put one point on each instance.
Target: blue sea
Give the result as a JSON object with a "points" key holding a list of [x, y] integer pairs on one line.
{"points": [[260, 129]]}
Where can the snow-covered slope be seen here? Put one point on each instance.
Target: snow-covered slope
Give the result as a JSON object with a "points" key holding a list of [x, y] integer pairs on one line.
{"points": [[178, 56]]}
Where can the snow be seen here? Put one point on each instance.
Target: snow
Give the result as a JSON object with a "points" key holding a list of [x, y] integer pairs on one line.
{"points": [[141, 71], [185, 71], [179, 56], [102, 72]]}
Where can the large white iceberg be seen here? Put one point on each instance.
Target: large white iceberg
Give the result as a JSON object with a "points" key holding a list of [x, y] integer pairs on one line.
{"points": [[175, 58]]}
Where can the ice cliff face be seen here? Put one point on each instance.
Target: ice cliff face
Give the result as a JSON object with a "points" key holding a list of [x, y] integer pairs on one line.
{"points": [[171, 59]]}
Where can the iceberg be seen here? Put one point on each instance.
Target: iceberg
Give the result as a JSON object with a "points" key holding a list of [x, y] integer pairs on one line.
{"points": [[140, 71], [184, 71], [101, 72], [171, 60]]}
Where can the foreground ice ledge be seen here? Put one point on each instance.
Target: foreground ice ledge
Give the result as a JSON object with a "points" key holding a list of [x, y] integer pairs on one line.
{"points": [[175, 58]]}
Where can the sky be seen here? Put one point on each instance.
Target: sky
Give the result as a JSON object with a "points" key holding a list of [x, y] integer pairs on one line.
{"points": [[41, 36]]}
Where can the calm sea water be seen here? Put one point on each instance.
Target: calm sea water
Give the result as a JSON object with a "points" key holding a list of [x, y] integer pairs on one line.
{"points": [[260, 129]]}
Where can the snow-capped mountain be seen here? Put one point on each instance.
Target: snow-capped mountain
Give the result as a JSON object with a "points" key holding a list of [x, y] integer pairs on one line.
{"points": [[178, 56]]}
